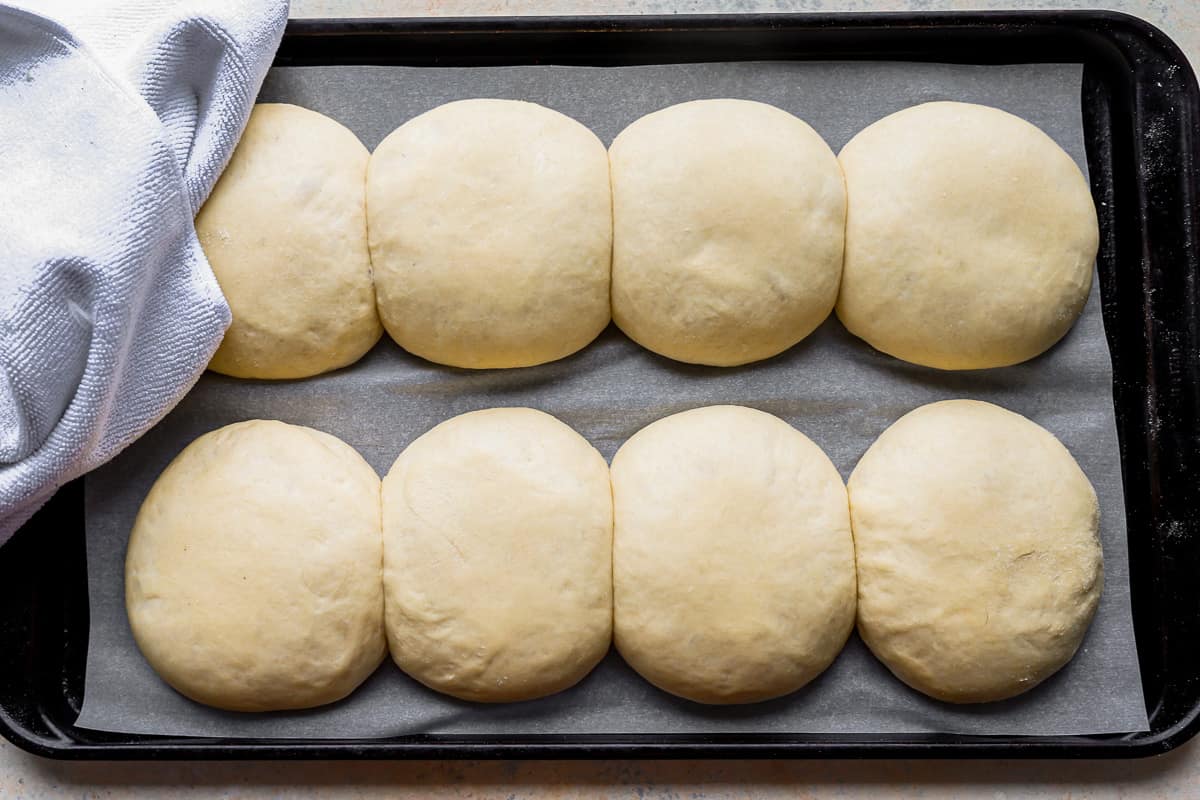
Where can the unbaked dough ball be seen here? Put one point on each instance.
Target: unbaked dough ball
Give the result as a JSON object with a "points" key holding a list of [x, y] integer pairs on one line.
{"points": [[491, 234], [970, 237], [979, 567], [252, 578], [733, 565], [498, 556], [728, 221], [285, 231]]}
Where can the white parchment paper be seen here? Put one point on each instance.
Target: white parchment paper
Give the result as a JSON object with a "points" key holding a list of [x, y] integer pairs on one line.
{"points": [[831, 386]]}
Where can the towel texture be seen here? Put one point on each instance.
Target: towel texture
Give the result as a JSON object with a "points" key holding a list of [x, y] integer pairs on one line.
{"points": [[116, 119]]}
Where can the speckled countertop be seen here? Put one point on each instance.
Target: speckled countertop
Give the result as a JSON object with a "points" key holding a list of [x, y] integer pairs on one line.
{"points": [[1175, 775]]}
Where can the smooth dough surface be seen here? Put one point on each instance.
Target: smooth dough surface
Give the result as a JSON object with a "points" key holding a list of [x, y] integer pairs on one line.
{"points": [[733, 564], [491, 234], [498, 556], [728, 221], [285, 231], [979, 564], [253, 575], [970, 237]]}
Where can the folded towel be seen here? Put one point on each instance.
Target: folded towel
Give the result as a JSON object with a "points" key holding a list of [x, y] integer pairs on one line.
{"points": [[116, 118]]}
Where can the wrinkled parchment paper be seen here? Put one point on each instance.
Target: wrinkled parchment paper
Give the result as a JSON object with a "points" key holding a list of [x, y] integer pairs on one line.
{"points": [[831, 386]]}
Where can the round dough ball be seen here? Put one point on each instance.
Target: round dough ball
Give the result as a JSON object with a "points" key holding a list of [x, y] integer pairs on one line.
{"points": [[970, 237], [491, 234], [252, 578], [498, 556], [728, 220], [285, 231], [733, 564], [979, 567]]}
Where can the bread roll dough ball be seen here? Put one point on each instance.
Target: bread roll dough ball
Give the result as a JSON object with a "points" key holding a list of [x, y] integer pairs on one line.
{"points": [[728, 221], [498, 556], [252, 578], [979, 567], [491, 234], [733, 565], [286, 234], [970, 237]]}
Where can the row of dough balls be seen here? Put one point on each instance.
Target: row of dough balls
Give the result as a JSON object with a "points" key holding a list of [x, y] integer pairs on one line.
{"points": [[503, 234], [718, 555]]}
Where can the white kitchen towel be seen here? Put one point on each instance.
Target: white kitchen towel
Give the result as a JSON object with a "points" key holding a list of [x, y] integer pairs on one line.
{"points": [[116, 118]]}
